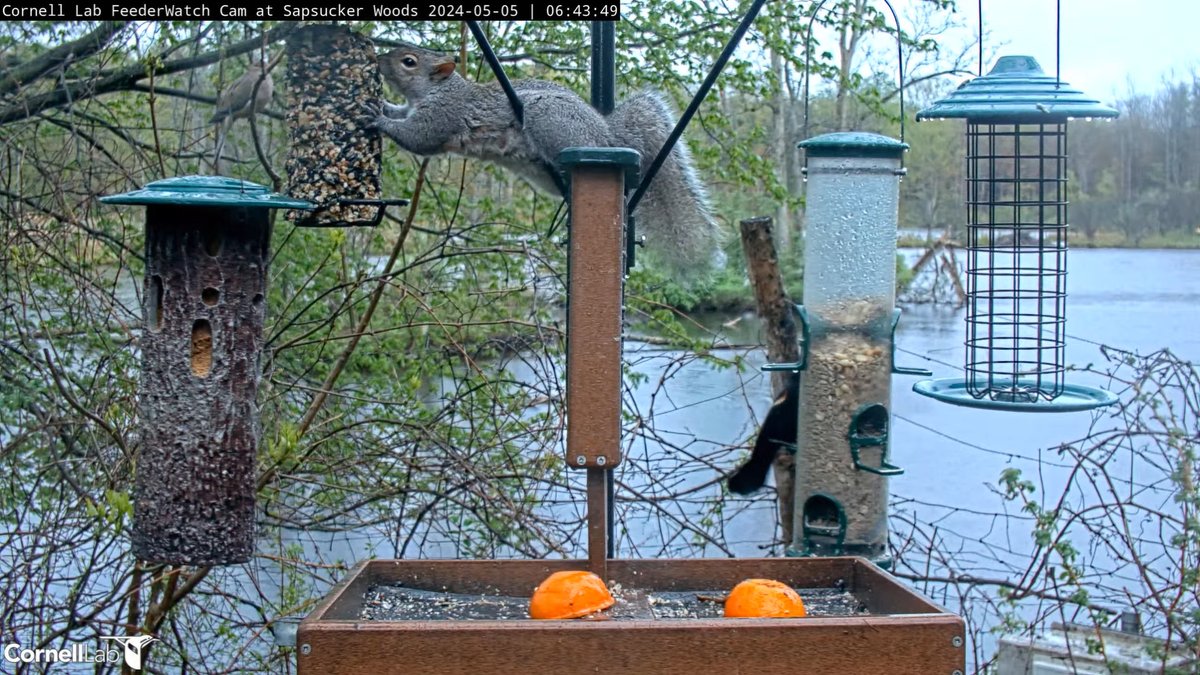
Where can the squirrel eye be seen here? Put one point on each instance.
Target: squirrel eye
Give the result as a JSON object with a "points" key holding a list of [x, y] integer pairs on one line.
{"points": [[409, 61]]}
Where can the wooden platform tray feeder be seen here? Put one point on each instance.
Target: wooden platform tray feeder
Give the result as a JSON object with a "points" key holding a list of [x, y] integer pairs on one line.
{"points": [[447, 616], [887, 629]]}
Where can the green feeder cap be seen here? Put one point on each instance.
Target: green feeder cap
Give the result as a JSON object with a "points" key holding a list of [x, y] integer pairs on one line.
{"points": [[208, 191], [1016, 92], [627, 158], [853, 144]]}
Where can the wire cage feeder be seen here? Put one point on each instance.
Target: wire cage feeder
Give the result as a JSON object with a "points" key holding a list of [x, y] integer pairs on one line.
{"points": [[1016, 198]]}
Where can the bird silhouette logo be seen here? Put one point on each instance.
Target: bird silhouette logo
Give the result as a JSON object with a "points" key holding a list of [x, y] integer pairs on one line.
{"points": [[133, 644]]}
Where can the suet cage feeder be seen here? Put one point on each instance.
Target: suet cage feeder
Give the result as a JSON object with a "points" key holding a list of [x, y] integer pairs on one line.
{"points": [[207, 247], [1016, 168]]}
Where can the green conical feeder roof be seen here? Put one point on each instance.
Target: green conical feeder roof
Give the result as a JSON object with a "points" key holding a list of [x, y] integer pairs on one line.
{"points": [[1016, 91], [207, 191]]}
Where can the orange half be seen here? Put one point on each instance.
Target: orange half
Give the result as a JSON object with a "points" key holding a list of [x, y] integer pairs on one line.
{"points": [[763, 598], [569, 595]]}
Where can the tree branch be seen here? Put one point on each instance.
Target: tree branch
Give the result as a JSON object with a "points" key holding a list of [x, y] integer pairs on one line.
{"points": [[924, 78], [125, 78], [199, 98], [20, 75]]}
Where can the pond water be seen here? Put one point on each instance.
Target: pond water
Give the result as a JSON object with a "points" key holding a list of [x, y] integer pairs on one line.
{"points": [[1141, 300]]}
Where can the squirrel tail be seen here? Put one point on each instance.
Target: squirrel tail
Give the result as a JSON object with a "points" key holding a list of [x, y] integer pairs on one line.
{"points": [[778, 432], [674, 214]]}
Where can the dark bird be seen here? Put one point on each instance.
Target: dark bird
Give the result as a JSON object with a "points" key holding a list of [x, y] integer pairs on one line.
{"points": [[778, 431]]}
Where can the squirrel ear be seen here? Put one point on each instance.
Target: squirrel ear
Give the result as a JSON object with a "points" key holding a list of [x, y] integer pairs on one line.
{"points": [[443, 69]]}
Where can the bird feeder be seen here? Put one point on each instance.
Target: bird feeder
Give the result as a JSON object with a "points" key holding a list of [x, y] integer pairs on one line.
{"points": [[334, 156], [848, 320], [473, 616], [1016, 240], [207, 247]]}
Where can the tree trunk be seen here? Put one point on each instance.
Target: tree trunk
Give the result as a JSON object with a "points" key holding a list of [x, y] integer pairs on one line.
{"points": [[849, 35]]}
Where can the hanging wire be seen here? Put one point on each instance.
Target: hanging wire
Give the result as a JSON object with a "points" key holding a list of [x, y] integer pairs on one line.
{"points": [[705, 86], [1057, 44], [518, 107], [899, 63], [981, 38]]}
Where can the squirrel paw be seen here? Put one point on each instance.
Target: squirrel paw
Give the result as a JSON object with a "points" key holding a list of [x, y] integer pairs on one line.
{"points": [[373, 117]]}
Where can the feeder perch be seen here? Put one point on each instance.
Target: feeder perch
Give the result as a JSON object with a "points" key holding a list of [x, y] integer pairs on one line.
{"points": [[334, 158], [848, 321], [207, 247], [1016, 240]]}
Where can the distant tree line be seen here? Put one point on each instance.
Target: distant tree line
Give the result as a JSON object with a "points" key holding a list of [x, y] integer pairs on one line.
{"points": [[1135, 180]]}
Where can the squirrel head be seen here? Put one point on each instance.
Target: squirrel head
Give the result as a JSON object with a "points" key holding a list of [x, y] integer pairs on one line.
{"points": [[414, 72]]}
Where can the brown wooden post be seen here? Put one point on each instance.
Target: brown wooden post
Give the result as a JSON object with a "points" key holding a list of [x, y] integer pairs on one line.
{"points": [[778, 318], [595, 307], [207, 246]]}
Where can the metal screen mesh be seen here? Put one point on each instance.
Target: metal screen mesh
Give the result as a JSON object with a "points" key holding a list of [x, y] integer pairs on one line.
{"points": [[1017, 260]]}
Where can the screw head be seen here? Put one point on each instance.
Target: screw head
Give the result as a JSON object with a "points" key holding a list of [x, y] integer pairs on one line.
{"points": [[307, 648], [580, 460], [601, 460], [956, 641], [956, 672]]}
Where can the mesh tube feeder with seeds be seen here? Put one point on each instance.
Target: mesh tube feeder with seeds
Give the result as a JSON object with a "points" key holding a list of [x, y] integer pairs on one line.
{"points": [[334, 157], [1016, 240]]}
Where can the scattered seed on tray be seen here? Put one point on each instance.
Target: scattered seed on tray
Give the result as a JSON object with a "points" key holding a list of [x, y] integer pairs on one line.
{"points": [[400, 603]]}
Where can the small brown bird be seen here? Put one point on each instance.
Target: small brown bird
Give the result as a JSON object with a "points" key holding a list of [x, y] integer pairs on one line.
{"points": [[240, 100]]}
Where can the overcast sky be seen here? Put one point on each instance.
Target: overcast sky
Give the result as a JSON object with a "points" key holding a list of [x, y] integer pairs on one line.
{"points": [[1105, 43]]}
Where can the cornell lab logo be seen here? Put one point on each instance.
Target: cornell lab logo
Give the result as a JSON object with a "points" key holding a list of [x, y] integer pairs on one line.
{"points": [[133, 647], [132, 653]]}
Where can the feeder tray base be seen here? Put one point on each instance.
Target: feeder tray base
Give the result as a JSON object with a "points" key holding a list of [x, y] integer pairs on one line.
{"points": [[898, 633], [1075, 397]]}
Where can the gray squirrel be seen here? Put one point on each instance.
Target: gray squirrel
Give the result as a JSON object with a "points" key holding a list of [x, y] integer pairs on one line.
{"points": [[445, 113]]}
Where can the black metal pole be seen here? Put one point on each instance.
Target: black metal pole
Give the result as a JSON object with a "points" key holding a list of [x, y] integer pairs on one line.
{"points": [[604, 96], [705, 86], [604, 66], [490, 56]]}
